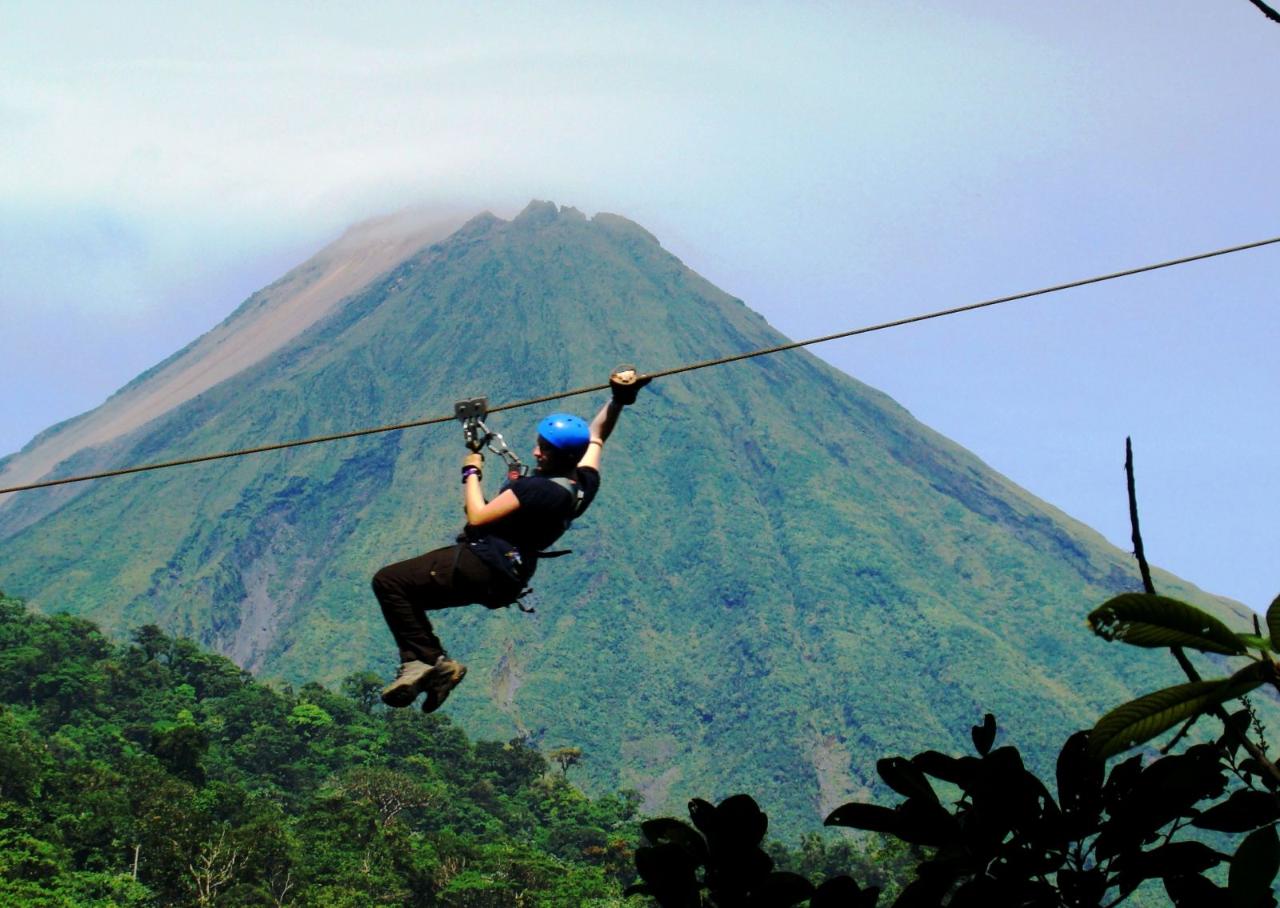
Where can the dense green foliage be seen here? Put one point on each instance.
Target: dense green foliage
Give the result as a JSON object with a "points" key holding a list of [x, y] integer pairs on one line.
{"points": [[160, 774], [989, 832], [1008, 840], [784, 576]]}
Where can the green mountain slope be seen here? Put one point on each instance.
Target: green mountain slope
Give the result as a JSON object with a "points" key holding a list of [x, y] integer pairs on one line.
{"points": [[785, 576]]}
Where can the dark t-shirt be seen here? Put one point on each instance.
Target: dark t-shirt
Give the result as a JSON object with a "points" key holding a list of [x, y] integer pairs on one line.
{"points": [[546, 508]]}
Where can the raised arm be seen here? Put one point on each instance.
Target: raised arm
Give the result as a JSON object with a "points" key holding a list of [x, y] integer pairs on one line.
{"points": [[625, 384], [601, 427]]}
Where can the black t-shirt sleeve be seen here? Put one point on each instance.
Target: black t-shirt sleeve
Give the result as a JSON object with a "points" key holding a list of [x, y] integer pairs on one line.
{"points": [[536, 493], [589, 482]]}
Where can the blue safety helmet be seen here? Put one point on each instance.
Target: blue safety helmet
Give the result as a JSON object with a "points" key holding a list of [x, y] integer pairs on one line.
{"points": [[565, 434]]}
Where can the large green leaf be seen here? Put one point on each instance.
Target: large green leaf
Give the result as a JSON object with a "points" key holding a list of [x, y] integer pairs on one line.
{"points": [[1142, 719], [1142, 619], [1273, 622]]}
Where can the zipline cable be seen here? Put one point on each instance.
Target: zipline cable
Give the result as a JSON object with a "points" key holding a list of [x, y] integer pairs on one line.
{"points": [[691, 367]]}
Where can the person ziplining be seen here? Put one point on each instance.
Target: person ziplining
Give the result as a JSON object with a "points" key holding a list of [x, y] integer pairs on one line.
{"points": [[498, 550]]}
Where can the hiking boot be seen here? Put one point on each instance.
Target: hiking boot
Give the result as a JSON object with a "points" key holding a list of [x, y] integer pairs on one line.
{"points": [[443, 677], [404, 689]]}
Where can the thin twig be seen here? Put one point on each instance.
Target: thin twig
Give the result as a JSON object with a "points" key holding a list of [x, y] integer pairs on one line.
{"points": [[1138, 552], [1218, 711]]}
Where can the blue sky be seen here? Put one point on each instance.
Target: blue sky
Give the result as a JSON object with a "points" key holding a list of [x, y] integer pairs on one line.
{"points": [[833, 164]]}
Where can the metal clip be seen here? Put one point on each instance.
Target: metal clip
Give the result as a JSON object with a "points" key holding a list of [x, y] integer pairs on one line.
{"points": [[477, 435], [471, 414]]}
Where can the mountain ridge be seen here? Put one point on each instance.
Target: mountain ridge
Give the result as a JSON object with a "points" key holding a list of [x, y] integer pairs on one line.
{"points": [[254, 330]]}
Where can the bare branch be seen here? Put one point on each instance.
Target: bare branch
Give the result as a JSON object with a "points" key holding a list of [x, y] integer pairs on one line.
{"points": [[1266, 10], [214, 867], [1218, 711]]}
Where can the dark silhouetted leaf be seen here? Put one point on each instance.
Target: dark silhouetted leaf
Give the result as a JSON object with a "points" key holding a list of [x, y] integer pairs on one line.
{"points": [[1082, 888], [1234, 730], [782, 890], [703, 814], [1194, 892], [925, 891], [1079, 783], [1244, 810], [1120, 781], [1259, 771], [1166, 790], [956, 770], [925, 823], [915, 821], [905, 778], [1273, 621], [1142, 719], [1142, 619], [669, 874], [739, 822], [732, 871], [871, 817], [984, 735], [670, 830], [1173, 859], [1253, 867]]}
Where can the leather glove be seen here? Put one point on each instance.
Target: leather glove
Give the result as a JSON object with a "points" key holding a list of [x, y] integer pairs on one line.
{"points": [[473, 461], [626, 384]]}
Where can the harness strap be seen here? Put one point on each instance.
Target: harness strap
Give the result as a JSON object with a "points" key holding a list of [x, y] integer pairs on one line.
{"points": [[579, 497]]}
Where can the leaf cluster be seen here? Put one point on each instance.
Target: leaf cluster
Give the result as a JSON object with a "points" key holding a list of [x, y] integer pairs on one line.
{"points": [[989, 832], [1008, 841], [1151, 621], [719, 861]]}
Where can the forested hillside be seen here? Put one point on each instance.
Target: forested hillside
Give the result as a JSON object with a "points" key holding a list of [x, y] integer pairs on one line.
{"points": [[156, 773]]}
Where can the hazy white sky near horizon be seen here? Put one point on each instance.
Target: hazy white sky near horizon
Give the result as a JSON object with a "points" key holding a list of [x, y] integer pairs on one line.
{"points": [[833, 164]]}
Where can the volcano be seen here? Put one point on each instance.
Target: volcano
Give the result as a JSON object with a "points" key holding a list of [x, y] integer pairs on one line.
{"points": [[785, 576]]}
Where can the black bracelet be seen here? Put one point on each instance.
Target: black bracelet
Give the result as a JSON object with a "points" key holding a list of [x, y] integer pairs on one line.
{"points": [[470, 471]]}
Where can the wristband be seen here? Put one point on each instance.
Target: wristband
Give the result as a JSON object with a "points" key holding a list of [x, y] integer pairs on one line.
{"points": [[468, 471]]}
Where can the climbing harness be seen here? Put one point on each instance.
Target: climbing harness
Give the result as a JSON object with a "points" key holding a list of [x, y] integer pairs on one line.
{"points": [[471, 413]]}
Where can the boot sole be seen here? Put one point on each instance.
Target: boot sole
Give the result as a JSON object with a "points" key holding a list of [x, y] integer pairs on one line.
{"points": [[438, 689], [399, 694], [400, 697]]}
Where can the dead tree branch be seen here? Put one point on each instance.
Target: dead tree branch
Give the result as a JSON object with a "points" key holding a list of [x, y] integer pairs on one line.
{"points": [[1218, 711]]}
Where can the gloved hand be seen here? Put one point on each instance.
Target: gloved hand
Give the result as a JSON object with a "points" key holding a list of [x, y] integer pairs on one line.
{"points": [[626, 384], [473, 461]]}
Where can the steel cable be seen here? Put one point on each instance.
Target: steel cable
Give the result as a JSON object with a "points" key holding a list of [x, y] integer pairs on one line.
{"points": [[677, 370]]}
